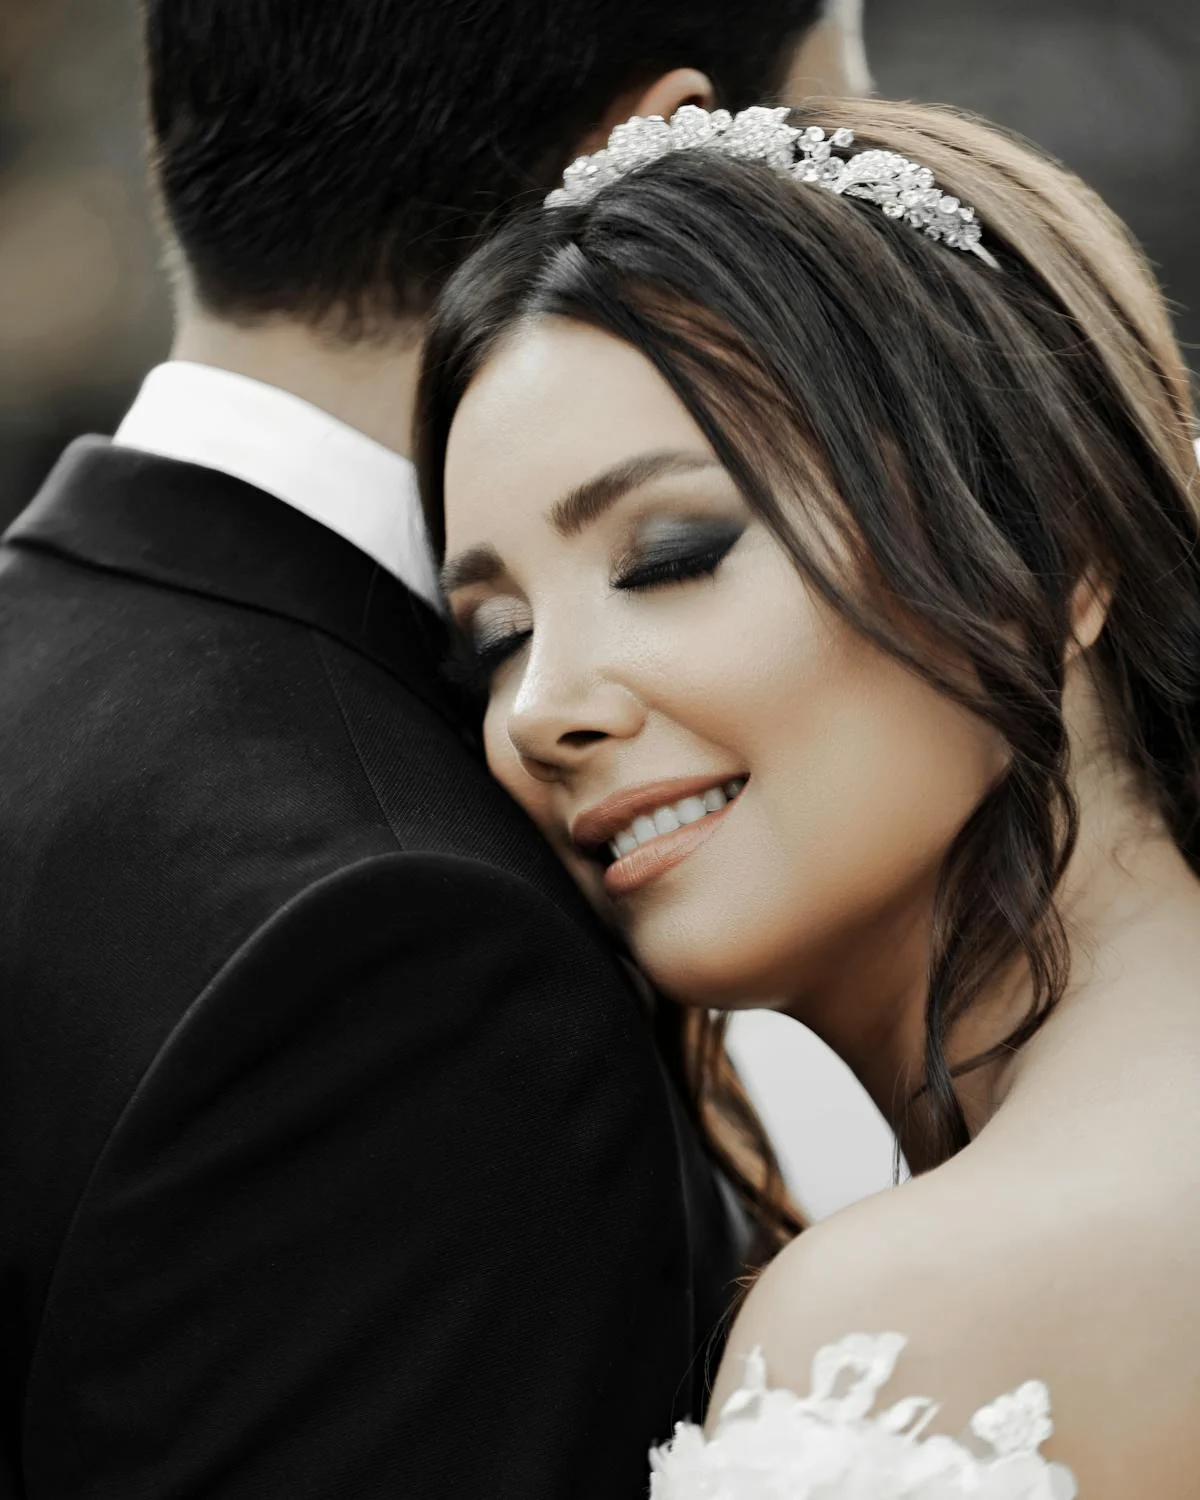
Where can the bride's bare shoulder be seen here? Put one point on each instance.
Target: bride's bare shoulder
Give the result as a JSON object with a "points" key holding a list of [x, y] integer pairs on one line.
{"points": [[916, 1261], [994, 1281]]}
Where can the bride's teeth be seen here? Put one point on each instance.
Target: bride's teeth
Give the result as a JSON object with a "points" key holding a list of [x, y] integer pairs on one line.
{"points": [[665, 820], [691, 810], [669, 819]]}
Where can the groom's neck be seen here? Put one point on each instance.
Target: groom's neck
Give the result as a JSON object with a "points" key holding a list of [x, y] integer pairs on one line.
{"points": [[369, 385]]}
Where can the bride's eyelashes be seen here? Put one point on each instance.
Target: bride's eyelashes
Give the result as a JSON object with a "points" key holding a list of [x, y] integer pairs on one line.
{"points": [[473, 661], [682, 553]]}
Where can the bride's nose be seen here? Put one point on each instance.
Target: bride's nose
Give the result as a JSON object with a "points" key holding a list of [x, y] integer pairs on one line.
{"points": [[565, 710]]}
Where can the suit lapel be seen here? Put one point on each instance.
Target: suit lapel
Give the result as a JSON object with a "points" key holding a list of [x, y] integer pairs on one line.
{"points": [[198, 531]]}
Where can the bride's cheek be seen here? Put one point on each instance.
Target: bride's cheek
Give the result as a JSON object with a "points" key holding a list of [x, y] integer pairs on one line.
{"points": [[502, 759]]}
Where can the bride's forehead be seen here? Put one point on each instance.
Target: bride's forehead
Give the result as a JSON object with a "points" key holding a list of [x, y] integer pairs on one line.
{"points": [[557, 366], [553, 406]]}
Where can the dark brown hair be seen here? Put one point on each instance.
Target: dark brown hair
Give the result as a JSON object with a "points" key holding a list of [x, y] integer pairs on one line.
{"points": [[335, 160], [973, 441]]}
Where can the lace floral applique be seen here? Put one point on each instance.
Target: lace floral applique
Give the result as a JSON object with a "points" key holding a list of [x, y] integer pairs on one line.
{"points": [[775, 1445]]}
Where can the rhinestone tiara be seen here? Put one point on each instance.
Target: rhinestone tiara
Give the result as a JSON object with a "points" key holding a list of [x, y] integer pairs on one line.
{"points": [[901, 188]]}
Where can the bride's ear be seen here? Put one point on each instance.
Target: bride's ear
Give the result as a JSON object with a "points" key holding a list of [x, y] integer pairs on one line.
{"points": [[1090, 600], [662, 97]]}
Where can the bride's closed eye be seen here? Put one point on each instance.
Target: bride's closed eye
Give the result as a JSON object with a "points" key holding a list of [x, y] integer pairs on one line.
{"points": [[476, 654], [679, 552]]}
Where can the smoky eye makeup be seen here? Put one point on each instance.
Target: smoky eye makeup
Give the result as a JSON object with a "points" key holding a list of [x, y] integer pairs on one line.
{"points": [[674, 549], [657, 551], [484, 640]]}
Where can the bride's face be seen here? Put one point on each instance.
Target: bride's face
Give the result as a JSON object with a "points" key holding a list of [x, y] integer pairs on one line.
{"points": [[778, 794]]}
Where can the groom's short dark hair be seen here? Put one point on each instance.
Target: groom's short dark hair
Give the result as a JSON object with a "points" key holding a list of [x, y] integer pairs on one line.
{"points": [[338, 158]]}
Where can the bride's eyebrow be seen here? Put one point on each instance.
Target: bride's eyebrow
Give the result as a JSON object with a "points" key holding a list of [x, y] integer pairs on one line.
{"points": [[588, 502], [475, 565], [581, 508]]}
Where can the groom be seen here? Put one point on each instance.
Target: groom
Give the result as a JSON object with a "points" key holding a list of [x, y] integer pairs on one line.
{"points": [[337, 1157]]}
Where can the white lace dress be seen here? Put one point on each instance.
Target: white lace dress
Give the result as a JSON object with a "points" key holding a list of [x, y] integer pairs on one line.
{"points": [[832, 1444]]}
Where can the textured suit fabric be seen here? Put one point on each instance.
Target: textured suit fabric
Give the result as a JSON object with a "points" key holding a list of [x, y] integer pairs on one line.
{"points": [[336, 1159]]}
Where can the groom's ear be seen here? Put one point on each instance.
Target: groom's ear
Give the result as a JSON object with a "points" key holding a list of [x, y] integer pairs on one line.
{"points": [[663, 97], [678, 87]]}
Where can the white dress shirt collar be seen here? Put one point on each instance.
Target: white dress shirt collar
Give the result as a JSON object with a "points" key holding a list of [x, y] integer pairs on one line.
{"points": [[295, 451]]}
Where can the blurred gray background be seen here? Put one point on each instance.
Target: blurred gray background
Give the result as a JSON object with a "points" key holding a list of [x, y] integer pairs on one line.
{"points": [[1109, 86]]}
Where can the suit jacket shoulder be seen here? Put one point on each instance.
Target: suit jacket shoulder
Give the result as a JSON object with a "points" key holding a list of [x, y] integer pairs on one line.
{"points": [[373, 1198], [224, 724]]}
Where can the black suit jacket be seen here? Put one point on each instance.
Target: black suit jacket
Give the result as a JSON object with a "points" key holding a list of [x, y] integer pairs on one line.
{"points": [[337, 1158]]}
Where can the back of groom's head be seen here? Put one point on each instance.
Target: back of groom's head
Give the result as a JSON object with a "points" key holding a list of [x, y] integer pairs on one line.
{"points": [[336, 159]]}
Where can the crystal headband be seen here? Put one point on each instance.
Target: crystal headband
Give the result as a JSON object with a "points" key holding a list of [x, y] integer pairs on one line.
{"points": [[902, 188]]}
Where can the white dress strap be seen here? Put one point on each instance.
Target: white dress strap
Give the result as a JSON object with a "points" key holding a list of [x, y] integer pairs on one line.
{"points": [[833, 1445]]}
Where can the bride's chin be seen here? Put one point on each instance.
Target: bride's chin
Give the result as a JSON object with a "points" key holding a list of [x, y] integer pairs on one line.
{"points": [[712, 957], [700, 980]]}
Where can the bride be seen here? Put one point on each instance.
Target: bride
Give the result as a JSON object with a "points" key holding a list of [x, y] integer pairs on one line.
{"points": [[819, 514]]}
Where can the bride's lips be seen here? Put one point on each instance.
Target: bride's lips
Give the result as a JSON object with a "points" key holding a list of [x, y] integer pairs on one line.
{"points": [[660, 855], [592, 830]]}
